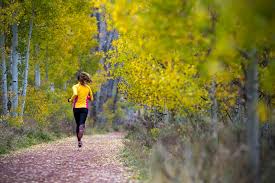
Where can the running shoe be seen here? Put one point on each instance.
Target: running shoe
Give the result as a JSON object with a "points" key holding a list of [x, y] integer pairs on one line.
{"points": [[79, 144]]}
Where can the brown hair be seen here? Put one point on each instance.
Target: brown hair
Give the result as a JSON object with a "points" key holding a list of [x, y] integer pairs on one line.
{"points": [[84, 78]]}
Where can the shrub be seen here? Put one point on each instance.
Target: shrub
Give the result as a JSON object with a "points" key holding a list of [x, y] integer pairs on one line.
{"points": [[187, 152], [47, 115]]}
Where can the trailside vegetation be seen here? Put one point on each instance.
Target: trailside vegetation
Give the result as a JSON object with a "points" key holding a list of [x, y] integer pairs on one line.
{"points": [[43, 46], [191, 80], [200, 74]]}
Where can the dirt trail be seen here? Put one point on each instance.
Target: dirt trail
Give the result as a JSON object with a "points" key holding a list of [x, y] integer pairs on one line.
{"points": [[61, 161]]}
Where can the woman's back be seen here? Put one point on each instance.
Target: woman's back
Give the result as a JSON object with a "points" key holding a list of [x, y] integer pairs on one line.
{"points": [[83, 94]]}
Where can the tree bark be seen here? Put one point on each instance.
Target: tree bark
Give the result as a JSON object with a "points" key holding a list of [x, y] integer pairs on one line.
{"points": [[252, 118], [52, 88], [101, 95], [214, 109], [14, 69], [4, 75], [65, 86], [47, 66], [166, 113], [37, 76], [105, 39], [26, 73], [240, 111], [115, 99]]}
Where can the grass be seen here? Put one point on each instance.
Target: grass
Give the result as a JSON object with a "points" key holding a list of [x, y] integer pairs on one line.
{"points": [[135, 156], [14, 141], [93, 131]]}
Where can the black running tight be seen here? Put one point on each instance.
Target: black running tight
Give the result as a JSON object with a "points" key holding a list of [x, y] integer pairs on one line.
{"points": [[80, 115]]}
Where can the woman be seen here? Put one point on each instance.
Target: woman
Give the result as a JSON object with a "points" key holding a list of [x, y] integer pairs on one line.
{"points": [[81, 94]]}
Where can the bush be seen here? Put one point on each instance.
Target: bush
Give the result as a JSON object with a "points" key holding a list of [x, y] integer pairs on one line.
{"points": [[187, 152], [13, 138], [48, 109], [204, 160], [136, 156], [110, 120], [47, 116]]}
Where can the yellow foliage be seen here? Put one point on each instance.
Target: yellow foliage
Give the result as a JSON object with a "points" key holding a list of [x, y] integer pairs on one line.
{"points": [[41, 105], [262, 111]]}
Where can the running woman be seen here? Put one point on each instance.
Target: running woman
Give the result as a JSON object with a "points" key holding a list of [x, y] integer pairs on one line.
{"points": [[82, 93]]}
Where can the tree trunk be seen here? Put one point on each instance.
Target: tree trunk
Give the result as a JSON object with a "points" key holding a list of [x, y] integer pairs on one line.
{"points": [[115, 99], [4, 75], [102, 28], [102, 97], [105, 39], [65, 86], [110, 87], [252, 118], [214, 110], [37, 76], [166, 113], [240, 111], [52, 88], [102, 34], [26, 73], [46, 66], [14, 69]]}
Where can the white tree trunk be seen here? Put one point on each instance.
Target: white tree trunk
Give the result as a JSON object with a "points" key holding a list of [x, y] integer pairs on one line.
{"points": [[14, 69], [46, 64], [252, 118], [65, 86], [214, 109], [4, 75], [26, 73], [37, 76], [52, 88], [166, 112]]}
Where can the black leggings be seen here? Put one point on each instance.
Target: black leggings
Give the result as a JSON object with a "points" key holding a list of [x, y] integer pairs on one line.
{"points": [[80, 115]]}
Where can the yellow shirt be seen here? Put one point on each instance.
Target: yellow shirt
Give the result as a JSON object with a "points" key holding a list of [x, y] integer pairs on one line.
{"points": [[81, 95]]}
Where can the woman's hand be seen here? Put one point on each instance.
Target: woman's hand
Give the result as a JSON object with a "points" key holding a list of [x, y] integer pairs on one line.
{"points": [[69, 99]]}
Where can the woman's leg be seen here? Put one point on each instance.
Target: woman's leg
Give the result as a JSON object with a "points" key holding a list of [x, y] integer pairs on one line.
{"points": [[82, 119], [77, 121]]}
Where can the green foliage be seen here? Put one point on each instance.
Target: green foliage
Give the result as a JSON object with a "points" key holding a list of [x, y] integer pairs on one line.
{"points": [[66, 40], [110, 119], [63, 34], [47, 117], [155, 133]]}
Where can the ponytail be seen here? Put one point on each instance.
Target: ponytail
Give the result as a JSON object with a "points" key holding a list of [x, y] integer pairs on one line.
{"points": [[84, 78]]}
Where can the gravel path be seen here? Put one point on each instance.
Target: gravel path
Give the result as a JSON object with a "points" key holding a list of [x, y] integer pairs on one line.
{"points": [[62, 161]]}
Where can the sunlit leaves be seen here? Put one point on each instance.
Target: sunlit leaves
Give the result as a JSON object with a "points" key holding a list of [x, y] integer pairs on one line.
{"points": [[169, 52], [64, 33]]}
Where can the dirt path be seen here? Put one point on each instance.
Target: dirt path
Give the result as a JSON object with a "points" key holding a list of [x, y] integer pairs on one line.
{"points": [[61, 161]]}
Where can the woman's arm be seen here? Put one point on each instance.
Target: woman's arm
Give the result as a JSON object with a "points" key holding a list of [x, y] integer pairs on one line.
{"points": [[91, 94], [74, 94]]}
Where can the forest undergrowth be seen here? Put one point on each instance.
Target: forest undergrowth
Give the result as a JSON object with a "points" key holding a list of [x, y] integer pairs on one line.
{"points": [[177, 151]]}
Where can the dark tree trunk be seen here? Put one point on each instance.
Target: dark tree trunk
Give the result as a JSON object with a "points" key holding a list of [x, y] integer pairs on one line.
{"points": [[252, 118], [105, 39]]}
